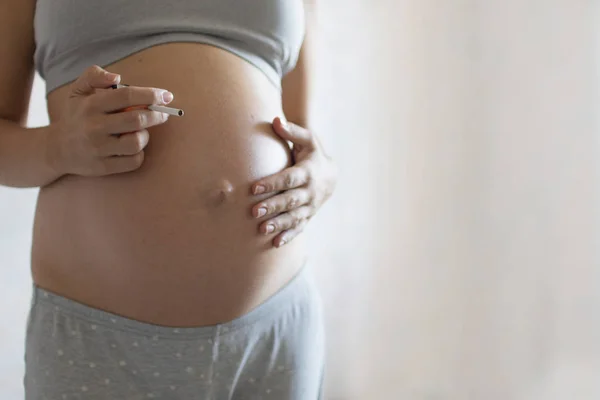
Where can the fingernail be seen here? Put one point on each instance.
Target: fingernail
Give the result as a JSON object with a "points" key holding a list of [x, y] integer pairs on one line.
{"points": [[270, 228], [282, 242], [259, 189], [167, 97], [113, 77], [261, 212], [284, 124]]}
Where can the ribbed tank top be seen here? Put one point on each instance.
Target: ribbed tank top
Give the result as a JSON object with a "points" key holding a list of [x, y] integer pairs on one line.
{"points": [[71, 35]]}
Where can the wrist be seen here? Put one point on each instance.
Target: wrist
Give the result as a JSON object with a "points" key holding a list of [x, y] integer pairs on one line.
{"points": [[52, 150]]}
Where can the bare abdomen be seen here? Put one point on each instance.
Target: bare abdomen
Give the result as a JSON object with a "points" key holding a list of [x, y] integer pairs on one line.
{"points": [[174, 243]]}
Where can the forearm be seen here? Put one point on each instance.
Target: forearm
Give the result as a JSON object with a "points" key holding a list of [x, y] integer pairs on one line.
{"points": [[298, 84], [26, 156]]}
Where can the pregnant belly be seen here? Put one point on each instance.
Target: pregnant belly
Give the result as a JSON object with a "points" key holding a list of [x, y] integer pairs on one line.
{"points": [[174, 242]]}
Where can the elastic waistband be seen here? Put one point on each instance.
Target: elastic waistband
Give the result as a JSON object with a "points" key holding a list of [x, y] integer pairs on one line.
{"points": [[297, 290]]}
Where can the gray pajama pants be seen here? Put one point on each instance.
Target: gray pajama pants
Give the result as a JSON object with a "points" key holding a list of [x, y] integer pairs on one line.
{"points": [[274, 352]]}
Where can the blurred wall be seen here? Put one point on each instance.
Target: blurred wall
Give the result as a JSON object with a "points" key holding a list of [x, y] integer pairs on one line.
{"points": [[472, 174]]}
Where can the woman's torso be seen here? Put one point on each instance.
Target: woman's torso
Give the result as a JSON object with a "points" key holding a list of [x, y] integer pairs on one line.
{"points": [[174, 243]]}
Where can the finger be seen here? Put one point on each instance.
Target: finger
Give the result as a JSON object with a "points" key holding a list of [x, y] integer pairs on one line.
{"points": [[292, 132], [286, 201], [130, 121], [127, 144], [93, 78], [120, 99], [287, 236], [289, 220], [287, 179], [115, 165]]}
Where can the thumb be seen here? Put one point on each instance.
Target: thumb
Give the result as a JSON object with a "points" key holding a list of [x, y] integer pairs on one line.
{"points": [[292, 132], [93, 78]]}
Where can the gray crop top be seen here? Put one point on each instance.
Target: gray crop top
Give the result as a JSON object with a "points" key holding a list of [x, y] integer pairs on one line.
{"points": [[71, 35]]}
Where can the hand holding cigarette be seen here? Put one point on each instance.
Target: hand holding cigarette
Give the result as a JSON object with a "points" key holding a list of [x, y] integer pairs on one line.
{"points": [[93, 137]]}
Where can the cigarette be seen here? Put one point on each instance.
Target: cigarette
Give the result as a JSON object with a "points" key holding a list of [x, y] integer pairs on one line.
{"points": [[167, 110]]}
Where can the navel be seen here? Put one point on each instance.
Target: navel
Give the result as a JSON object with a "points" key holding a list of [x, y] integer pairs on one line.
{"points": [[221, 193]]}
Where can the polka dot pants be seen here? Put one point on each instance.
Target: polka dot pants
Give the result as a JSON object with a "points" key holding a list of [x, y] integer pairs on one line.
{"points": [[274, 352]]}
